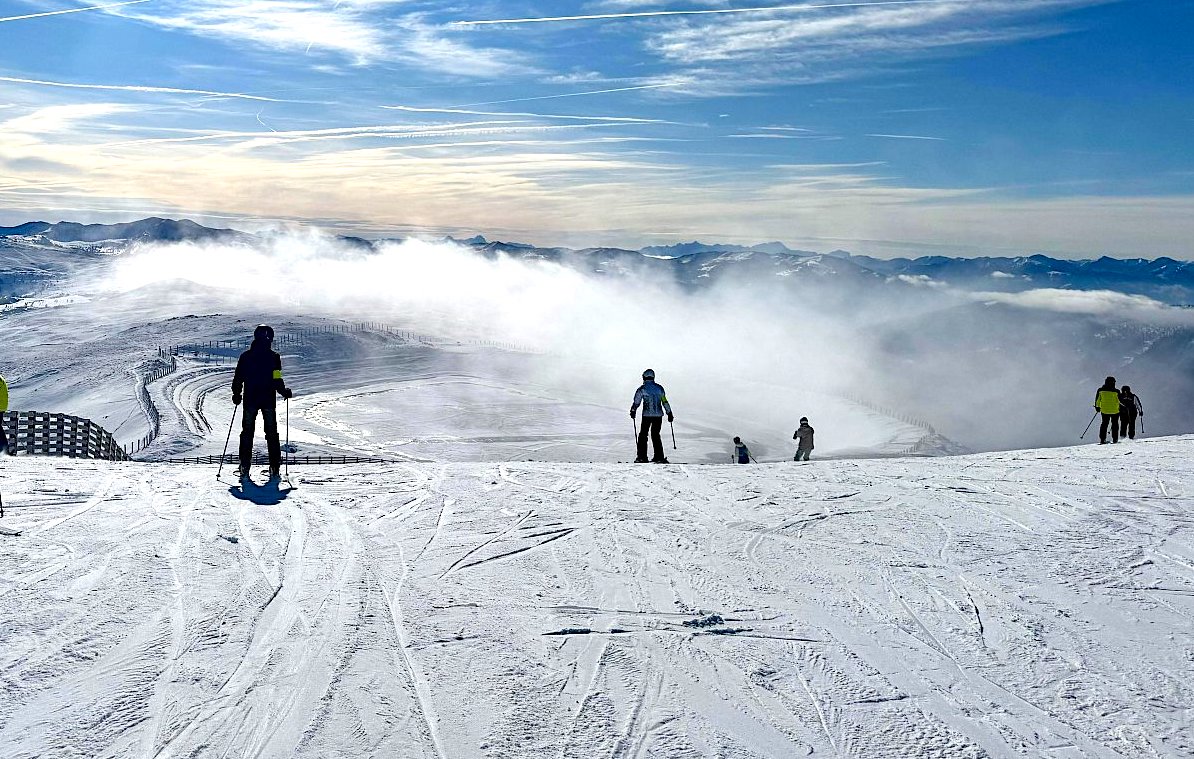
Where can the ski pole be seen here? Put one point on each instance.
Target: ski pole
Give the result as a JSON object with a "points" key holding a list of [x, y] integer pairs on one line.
{"points": [[226, 441], [287, 448], [673, 426], [1083, 435]]}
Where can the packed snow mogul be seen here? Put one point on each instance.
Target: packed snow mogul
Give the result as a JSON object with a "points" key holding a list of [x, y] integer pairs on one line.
{"points": [[4, 407], [259, 376], [741, 452], [1107, 404], [654, 402], [804, 436], [1129, 408]]}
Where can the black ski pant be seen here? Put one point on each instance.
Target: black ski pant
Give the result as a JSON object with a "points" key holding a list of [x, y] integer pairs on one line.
{"points": [[1111, 420], [1127, 425], [3, 437], [269, 419], [651, 425]]}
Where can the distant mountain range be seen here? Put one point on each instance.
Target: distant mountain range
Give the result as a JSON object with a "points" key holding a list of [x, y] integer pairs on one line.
{"points": [[146, 230], [696, 264]]}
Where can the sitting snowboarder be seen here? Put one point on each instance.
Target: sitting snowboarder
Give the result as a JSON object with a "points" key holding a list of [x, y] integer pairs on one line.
{"points": [[259, 375], [654, 401], [741, 452], [803, 434]]}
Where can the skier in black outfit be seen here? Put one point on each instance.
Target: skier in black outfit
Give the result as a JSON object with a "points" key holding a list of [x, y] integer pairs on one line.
{"points": [[259, 375], [1129, 408]]}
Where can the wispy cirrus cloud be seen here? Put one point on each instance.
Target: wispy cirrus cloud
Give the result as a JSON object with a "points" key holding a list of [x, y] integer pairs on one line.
{"points": [[927, 25], [364, 32], [59, 118], [721, 54]]}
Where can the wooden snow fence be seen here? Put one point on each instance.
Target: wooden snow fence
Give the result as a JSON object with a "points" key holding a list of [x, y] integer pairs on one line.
{"points": [[43, 433]]}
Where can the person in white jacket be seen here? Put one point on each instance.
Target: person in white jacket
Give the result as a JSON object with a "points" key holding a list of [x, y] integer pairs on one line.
{"points": [[653, 399]]}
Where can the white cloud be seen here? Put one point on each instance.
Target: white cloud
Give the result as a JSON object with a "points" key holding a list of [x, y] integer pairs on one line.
{"points": [[426, 46], [354, 29], [1091, 302], [288, 25], [1002, 275], [921, 280], [59, 118]]}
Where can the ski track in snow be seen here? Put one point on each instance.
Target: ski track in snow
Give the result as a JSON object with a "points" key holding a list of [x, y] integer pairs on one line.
{"points": [[1035, 604]]}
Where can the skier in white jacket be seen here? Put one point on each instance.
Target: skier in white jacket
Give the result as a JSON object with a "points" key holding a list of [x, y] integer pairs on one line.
{"points": [[653, 399]]}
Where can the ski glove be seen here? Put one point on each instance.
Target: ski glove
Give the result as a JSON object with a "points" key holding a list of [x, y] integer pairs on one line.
{"points": [[632, 415], [670, 418], [287, 393], [236, 399]]}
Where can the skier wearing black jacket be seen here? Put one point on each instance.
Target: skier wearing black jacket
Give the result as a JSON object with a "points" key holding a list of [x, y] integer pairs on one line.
{"points": [[1129, 408], [258, 377]]}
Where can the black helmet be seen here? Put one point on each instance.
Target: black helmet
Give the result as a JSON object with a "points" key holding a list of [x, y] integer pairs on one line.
{"points": [[649, 374], [737, 439], [803, 419], [1109, 382], [264, 332]]}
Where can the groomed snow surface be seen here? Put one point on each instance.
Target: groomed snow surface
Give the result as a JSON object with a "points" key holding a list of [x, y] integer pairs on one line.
{"points": [[1036, 603]]}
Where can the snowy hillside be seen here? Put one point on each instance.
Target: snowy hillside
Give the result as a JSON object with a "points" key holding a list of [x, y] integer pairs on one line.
{"points": [[1033, 604]]}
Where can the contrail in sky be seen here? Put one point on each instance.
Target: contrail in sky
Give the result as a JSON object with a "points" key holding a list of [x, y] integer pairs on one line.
{"points": [[574, 94], [139, 88], [462, 111], [908, 137], [71, 10], [701, 12]]}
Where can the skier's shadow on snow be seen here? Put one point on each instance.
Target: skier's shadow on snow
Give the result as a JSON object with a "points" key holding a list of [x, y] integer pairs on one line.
{"points": [[269, 494]]}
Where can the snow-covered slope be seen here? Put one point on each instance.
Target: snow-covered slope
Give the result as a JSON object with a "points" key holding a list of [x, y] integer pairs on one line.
{"points": [[1035, 603]]}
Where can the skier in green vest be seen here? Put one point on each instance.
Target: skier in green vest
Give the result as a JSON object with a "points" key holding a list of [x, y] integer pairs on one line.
{"points": [[1107, 403], [4, 447]]}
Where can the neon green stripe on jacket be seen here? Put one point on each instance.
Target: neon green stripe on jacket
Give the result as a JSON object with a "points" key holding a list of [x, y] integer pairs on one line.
{"points": [[3, 395]]}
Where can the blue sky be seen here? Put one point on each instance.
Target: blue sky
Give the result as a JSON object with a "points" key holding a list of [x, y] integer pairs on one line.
{"points": [[964, 126]]}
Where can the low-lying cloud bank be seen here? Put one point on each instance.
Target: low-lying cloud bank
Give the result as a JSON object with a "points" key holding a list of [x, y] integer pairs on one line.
{"points": [[1092, 302], [745, 346]]}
